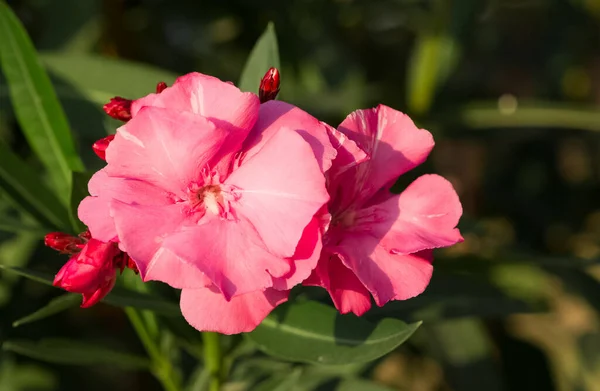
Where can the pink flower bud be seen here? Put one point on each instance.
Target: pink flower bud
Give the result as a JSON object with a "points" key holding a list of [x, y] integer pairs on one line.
{"points": [[119, 108], [100, 146], [91, 272], [269, 86], [65, 243], [160, 87]]}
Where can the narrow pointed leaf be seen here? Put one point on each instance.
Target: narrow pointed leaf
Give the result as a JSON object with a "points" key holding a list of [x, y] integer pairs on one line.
{"points": [[55, 306], [118, 297], [24, 189], [263, 56], [64, 351], [316, 333], [35, 103]]}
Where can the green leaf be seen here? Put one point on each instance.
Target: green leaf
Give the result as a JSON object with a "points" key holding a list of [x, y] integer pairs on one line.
{"points": [[119, 297], [316, 333], [55, 306], [38, 276], [64, 351], [360, 385], [26, 191], [263, 56], [35, 104], [99, 79], [79, 191], [433, 57]]}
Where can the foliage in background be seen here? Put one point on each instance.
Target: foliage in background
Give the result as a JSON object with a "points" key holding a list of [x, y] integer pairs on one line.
{"points": [[511, 90]]}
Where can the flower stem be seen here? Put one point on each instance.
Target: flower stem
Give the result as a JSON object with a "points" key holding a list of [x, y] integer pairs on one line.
{"points": [[213, 359], [162, 368]]}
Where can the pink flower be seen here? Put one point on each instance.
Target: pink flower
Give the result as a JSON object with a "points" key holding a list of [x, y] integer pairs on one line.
{"points": [[213, 193], [91, 271], [380, 244]]}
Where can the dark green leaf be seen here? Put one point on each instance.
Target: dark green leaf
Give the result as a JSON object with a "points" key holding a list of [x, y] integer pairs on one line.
{"points": [[317, 333], [79, 191], [35, 103], [360, 385], [263, 56], [119, 296], [64, 351], [24, 188], [42, 277], [55, 306]]}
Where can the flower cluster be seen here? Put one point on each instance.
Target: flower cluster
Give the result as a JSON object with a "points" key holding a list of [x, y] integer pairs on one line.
{"points": [[235, 199]]}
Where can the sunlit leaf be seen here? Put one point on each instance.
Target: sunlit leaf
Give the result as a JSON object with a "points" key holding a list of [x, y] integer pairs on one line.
{"points": [[24, 189], [263, 56], [35, 104], [317, 333]]}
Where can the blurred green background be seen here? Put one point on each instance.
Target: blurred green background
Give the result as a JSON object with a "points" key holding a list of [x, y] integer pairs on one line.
{"points": [[511, 91]]}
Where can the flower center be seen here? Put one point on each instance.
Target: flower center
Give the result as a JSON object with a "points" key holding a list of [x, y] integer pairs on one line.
{"points": [[345, 219], [210, 197]]}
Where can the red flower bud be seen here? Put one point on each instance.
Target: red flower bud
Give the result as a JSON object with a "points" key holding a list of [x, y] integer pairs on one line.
{"points": [[269, 86], [119, 108], [160, 87], [100, 146], [90, 272], [65, 243]]}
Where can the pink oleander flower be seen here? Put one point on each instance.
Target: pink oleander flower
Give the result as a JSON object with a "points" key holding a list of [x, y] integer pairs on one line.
{"points": [[91, 271], [380, 244], [213, 193]]}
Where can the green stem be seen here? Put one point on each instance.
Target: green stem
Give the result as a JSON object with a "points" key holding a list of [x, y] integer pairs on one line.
{"points": [[213, 359], [162, 368]]}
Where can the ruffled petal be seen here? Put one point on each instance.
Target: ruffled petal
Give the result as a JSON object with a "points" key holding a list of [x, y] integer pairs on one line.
{"points": [[274, 115], [423, 217], [230, 253], [207, 96], [386, 275], [165, 148], [280, 189], [304, 259], [346, 290], [142, 230], [207, 310], [393, 143]]}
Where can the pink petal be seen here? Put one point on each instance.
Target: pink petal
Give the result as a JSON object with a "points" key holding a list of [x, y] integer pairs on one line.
{"points": [[393, 143], [142, 230], [281, 189], [423, 217], [230, 253], [304, 259], [163, 147], [207, 310], [274, 115], [346, 291], [386, 275], [207, 96], [95, 211]]}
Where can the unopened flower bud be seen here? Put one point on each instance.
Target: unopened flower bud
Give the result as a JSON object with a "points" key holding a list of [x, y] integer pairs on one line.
{"points": [[100, 146], [160, 87], [65, 243], [90, 272], [119, 108], [269, 86]]}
